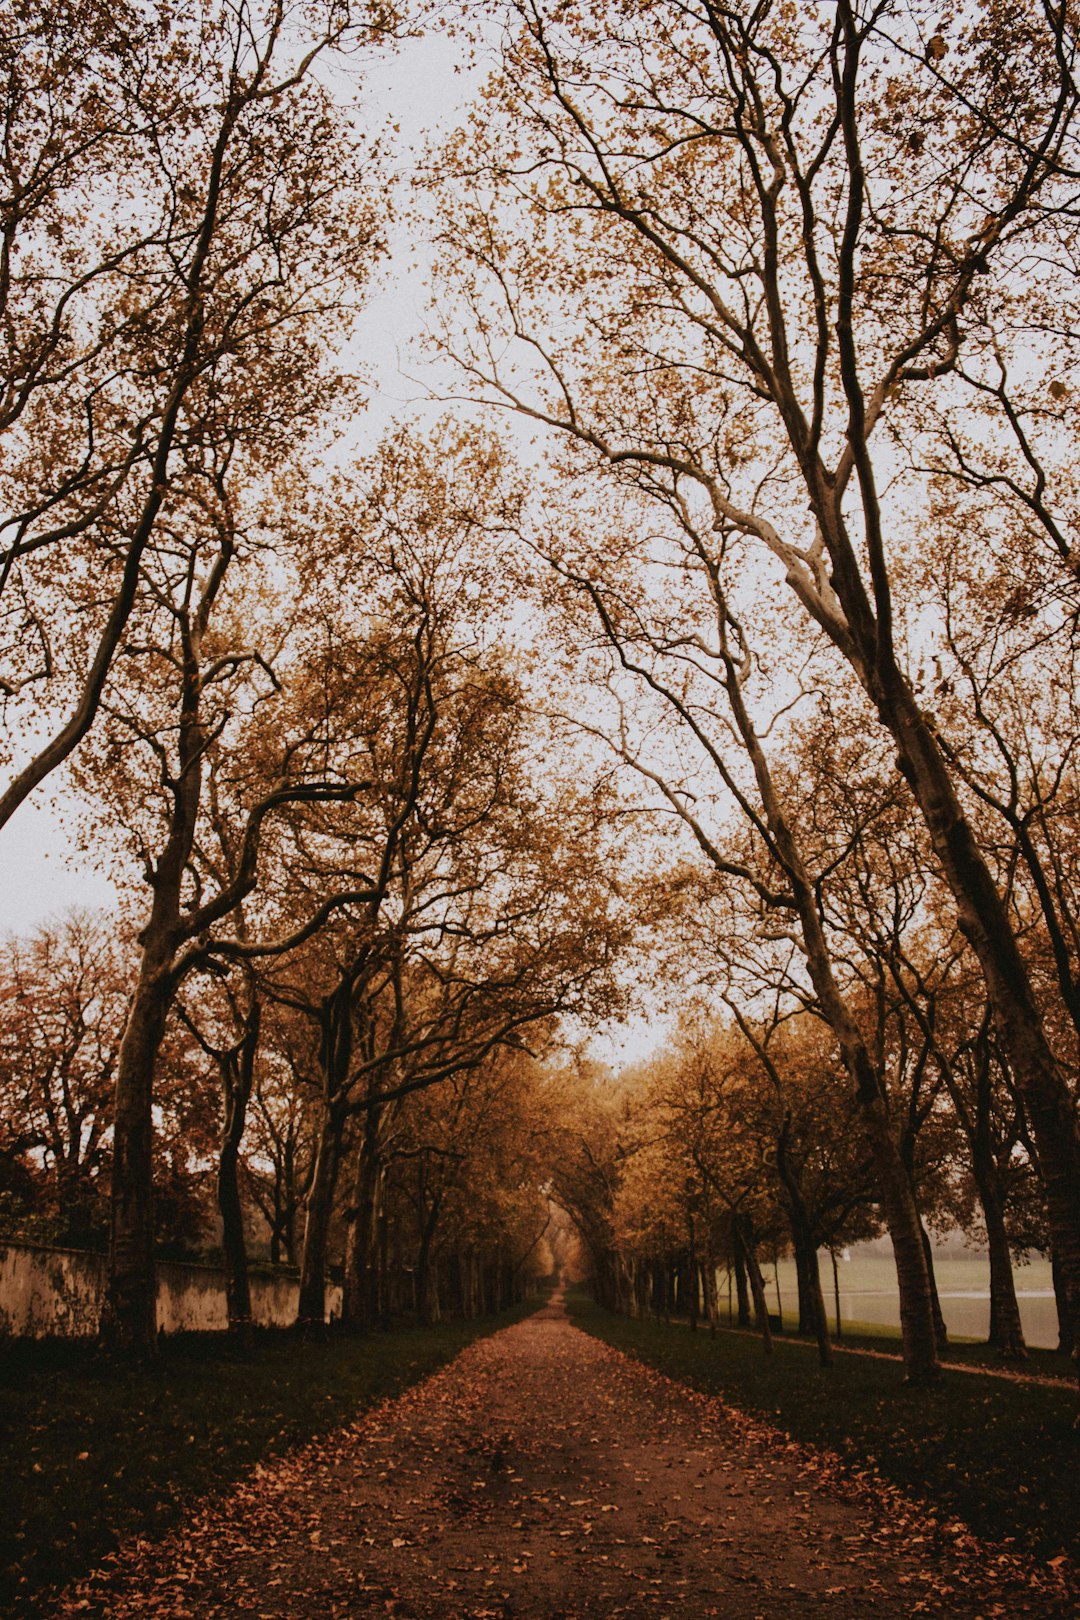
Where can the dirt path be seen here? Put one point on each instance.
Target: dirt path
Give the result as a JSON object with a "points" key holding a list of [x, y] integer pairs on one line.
{"points": [[544, 1476]]}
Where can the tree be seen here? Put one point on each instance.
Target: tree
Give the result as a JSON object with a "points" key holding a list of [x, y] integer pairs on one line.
{"points": [[718, 206], [184, 215], [195, 687], [63, 998], [687, 687]]}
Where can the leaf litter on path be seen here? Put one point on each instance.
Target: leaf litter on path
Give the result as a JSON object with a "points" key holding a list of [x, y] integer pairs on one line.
{"points": [[543, 1475]]}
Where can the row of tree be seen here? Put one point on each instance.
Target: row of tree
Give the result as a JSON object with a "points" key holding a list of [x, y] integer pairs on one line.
{"points": [[290, 699], [796, 289], [436, 1203], [793, 292]]}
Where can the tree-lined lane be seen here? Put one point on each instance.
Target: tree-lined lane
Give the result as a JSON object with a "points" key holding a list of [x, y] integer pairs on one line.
{"points": [[544, 1475]]}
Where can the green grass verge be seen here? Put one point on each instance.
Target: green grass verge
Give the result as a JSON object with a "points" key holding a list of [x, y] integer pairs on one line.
{"points": [[1002, 1456], [90, 1453], [967, 1352]]}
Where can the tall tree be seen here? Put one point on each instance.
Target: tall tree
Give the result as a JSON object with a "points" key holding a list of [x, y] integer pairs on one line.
{"points": [[732, 286], [185, 212]]}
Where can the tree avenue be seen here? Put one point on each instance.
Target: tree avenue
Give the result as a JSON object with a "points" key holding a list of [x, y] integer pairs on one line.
{"points": [[741, 698]]}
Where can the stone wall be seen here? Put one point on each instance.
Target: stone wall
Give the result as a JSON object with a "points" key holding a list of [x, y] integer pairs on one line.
{"points": [[57, 1293]]}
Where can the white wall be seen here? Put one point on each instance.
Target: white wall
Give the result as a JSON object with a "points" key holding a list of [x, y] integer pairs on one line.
{"points": [[58, 1293]]}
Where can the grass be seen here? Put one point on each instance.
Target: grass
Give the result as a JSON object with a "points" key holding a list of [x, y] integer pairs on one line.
{"points": [[90, 1453], [1002, 1456], [969, 1352]]}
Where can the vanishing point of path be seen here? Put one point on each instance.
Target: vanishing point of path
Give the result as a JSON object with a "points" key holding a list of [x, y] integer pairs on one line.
{"points": [[542, 1475]]}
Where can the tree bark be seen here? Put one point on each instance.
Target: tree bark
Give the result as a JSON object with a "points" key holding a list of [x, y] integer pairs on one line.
{"points": [[237, 1280], [1006, 1328], [1067, 1340], [237, 1070], [741, 1293], [757, 1289], [359, 1307], [941, 1331], [311, 1310], [129, 1316]]}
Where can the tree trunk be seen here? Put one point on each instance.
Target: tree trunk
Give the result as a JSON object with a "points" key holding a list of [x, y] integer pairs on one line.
{"points": [[359, 1307], [311, 1311], [712, 1297], [985, 923], [692, 1277], [741, 1293], [811, 1298], [427, 1301], [802, 1284], [898, 1205], [237, 1070], [757, 1289], [237, 1281], [941, 1331], [129, 1316], [1066, 1336], [1006, 1329]]}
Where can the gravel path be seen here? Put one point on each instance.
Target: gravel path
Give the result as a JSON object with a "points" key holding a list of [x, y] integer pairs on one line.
{"points": [[542, 1475]]}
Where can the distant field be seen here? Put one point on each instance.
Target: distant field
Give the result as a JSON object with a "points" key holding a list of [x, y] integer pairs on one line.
{"points": [[868, 1294]]}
